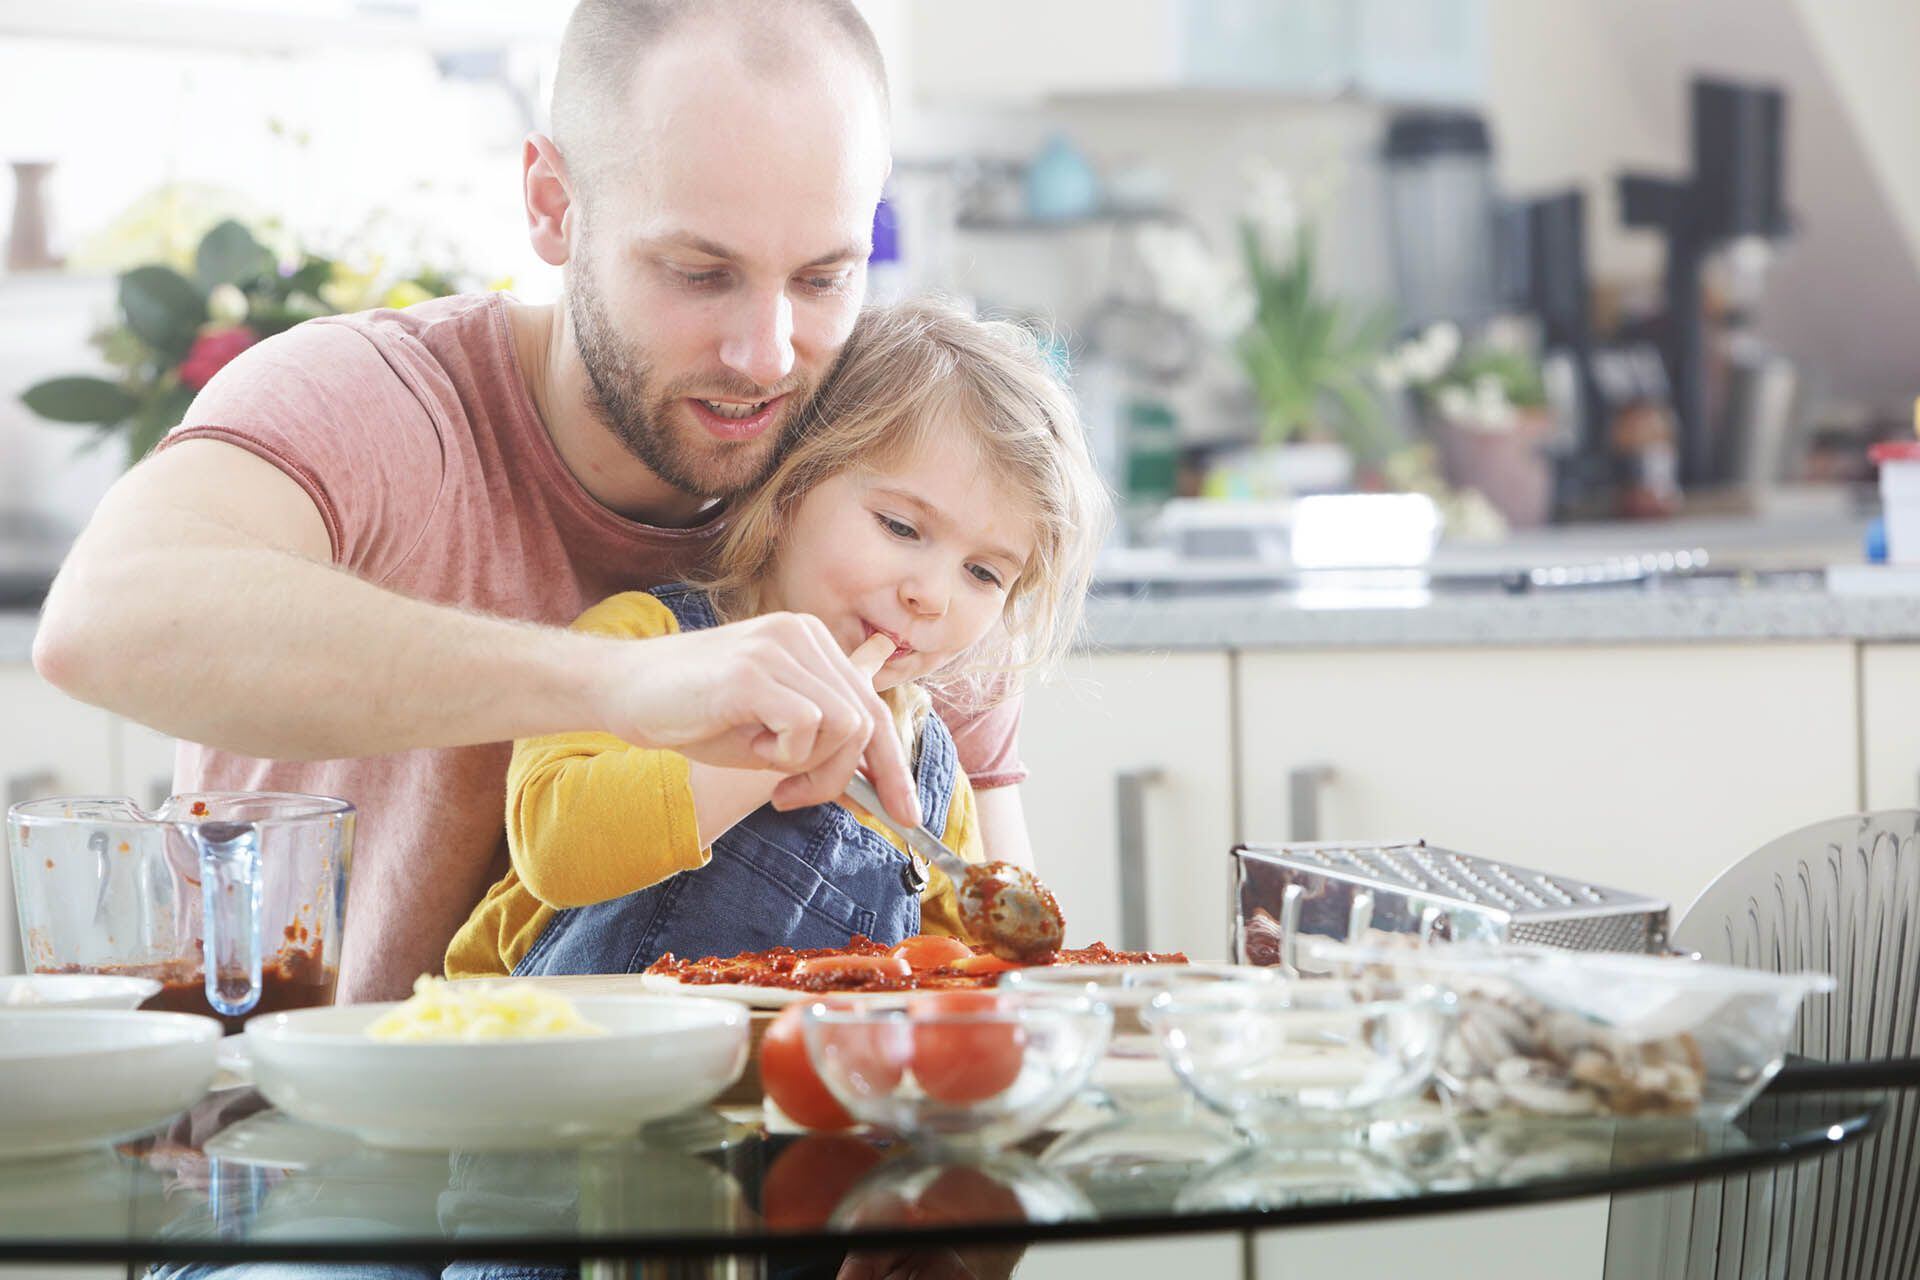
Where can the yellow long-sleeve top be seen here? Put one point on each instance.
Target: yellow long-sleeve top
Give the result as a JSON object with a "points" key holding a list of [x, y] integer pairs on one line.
{"points": [[591, 817]]}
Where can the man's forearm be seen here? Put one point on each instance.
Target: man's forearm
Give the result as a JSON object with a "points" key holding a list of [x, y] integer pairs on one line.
{"points": [[269, 653]]}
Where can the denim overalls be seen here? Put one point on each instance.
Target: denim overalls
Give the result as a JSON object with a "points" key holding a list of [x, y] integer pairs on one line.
{"points": [[812, 877]]}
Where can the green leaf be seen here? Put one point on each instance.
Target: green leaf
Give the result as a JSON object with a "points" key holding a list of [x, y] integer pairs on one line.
{"points": [[92, 400], [312, 273], [156, 417], [164, 308], [229, 254]]}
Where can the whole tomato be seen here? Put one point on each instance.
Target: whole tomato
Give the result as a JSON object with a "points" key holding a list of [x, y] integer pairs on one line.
{"points": [[788, 1076], [959, 1056], [872, 1057]]}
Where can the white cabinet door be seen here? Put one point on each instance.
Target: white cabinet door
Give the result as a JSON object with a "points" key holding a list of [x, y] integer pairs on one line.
{"points": [[1640, 768], [1890, 725], [49, 745], [1562, 1241], [1130, 799]]}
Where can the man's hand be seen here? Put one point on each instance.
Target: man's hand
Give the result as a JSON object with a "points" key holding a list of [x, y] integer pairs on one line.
{"points": [[773, 692]]}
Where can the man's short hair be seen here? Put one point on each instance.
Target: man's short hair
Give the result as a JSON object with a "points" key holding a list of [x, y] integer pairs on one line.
{"points": [[606, 39]]}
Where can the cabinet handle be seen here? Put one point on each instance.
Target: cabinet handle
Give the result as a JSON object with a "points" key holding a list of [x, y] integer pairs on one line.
{"points": [[32, 785], [1303, 801], [1130, 813]]}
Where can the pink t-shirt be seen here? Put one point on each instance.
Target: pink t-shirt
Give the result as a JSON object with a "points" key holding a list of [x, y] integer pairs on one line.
{"points": [[414, 433]]}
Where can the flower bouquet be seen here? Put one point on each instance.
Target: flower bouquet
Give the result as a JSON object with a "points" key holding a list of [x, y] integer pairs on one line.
{"points": [[177, 328]]}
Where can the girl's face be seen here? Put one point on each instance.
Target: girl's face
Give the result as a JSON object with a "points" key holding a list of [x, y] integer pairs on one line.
{"points": [[925, 552]]}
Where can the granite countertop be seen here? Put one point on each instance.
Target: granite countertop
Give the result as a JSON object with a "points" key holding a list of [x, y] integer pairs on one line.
{"points": [[1584, 618], [1779, 594], [1600, 617]]}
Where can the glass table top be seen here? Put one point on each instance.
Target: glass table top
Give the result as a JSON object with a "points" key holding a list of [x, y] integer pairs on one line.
{"points": [[236, 1180]]}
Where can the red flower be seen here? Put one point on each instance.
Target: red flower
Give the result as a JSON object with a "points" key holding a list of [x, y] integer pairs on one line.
{"points": [[210, 353]]}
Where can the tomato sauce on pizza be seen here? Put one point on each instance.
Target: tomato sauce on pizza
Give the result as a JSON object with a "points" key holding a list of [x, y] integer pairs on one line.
{"points": [[866, 965]]}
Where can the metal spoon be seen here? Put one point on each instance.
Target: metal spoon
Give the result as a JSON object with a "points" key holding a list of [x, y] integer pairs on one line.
{"points": [[1005, 906]]}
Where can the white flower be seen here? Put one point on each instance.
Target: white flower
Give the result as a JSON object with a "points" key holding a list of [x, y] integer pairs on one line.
{"points": [[1390, 371], [1439, 345], [226, 304], [1455, 404], [1192, 280], [1273, 211]]}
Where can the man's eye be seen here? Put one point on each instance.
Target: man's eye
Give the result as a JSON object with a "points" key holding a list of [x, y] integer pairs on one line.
{"points": [[984, 574], [699, 279], [826, 284], [898, 528]]}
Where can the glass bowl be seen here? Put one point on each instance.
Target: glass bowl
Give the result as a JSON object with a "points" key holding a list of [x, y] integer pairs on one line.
{"points": [[1284, 1053], [958, 1070], [1132, 1077], [1543, 1031]]}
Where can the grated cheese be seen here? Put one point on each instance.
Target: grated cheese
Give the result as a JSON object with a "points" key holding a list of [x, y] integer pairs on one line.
{"points": [[439, 1010]]}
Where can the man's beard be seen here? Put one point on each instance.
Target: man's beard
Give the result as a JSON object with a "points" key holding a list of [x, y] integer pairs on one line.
{"points": [[621, 395]]}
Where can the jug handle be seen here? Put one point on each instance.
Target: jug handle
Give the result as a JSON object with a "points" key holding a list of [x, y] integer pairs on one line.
{"points": [[230, 910]]}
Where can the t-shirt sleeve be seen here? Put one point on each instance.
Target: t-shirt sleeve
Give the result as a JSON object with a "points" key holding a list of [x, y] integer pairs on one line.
{"points": [[591, 817], [988, 741], [326, 406]]}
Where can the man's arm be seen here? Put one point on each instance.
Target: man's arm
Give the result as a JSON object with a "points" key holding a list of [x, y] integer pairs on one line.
{"points": [[201, 600]]}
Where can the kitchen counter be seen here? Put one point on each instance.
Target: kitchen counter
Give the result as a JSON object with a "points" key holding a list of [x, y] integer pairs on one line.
{"points": [[1751, 580], [1599, 616], [1281, 621], [1200, 604]]}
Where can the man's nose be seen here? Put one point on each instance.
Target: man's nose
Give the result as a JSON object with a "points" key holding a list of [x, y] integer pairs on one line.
{"points": [[759, 344]]}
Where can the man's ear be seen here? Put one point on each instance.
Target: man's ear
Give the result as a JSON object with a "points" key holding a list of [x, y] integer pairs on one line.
{"points": [[552, 212]]}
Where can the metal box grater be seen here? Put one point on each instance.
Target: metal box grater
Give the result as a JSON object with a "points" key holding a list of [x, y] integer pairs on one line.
{"points": [[1342, 891]]}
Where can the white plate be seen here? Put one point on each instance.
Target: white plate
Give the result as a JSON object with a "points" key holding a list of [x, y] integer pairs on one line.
{"points": [[739, 992], [73, 1079], [658, 1056], [74, 991]]}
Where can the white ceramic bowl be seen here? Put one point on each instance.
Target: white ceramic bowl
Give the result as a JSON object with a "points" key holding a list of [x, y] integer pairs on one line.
{"points": [[77, 1078], [27, 991], [660, 1055]]}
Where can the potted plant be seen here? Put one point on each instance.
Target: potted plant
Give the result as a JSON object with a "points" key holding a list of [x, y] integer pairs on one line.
{"points": [[1307, 355], [1485, 407], [176, 328]]}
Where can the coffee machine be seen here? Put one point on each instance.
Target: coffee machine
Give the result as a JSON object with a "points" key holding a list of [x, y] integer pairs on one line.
{"points": [[1728, 213]]}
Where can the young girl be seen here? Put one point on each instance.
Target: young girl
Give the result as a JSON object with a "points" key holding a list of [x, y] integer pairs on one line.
{"points": [[939, 495]]}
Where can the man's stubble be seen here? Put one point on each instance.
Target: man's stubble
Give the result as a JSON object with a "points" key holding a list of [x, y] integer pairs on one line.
{"points": [[621, 394]]}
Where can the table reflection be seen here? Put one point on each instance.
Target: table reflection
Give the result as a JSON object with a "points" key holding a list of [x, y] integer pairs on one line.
{"points": [[247, 1181]]}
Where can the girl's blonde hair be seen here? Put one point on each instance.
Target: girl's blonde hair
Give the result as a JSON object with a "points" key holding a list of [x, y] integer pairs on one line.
{"points": [[906, 372]]}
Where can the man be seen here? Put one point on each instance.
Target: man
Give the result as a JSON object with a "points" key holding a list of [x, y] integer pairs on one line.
{"points": [[347, 572]]}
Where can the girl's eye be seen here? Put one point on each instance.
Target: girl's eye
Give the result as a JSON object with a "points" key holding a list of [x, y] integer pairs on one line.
{"points": [[983, 574], [898, 528]]}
